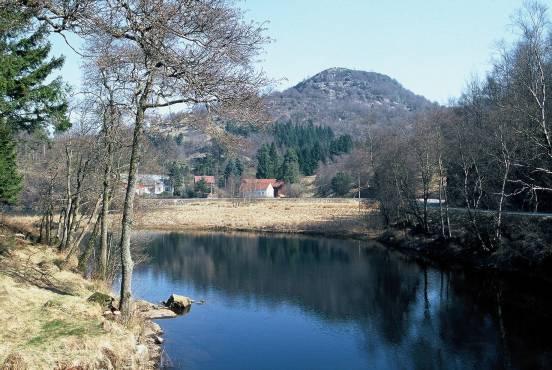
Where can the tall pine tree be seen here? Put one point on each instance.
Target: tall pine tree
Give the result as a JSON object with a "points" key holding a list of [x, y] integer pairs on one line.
{"points": [[290, 167], [10, 181], [27, 102], [264, 164]]}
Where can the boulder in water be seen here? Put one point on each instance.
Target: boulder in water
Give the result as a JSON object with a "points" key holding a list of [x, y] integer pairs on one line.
{"points": [[179, 303]]}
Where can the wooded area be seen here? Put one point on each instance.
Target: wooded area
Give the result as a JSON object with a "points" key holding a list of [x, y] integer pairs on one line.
{"points": [[138, 57], [489, 151]]}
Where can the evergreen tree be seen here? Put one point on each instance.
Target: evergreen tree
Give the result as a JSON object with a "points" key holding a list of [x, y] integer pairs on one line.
{"points": [[238, 168], [177, 171], [229, 170], [274, 166], [26, 101], [312, 143], [201, 188], [341, 183], [263, 162], [290, 167], [307, 164], [316, 152], [10, 181]]}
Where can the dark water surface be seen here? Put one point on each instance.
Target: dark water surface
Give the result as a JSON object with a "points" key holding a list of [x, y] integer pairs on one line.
{"points": [[275, 302]]}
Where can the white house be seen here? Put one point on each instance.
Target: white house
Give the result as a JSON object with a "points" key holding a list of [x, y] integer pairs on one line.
{"points": [[153, 185], [262, 188], [257, 188]]}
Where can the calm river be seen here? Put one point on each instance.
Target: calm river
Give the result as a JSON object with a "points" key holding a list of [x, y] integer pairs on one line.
{"points": [[275, 302]]}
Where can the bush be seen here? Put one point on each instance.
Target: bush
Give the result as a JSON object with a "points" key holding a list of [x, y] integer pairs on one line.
{"points": [[341, 183], [6, 245], [294, 190]]}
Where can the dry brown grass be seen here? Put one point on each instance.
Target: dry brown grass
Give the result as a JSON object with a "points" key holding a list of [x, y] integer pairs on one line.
{"points": [[26, 224], [46, 321], [339, 217]]}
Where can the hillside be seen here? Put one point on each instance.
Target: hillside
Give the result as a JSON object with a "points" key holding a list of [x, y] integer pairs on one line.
{"points": [[343, 98], [346, 100]]}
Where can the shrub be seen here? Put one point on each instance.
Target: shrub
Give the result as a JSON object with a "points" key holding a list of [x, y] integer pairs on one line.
{"points": [[341, 183]]}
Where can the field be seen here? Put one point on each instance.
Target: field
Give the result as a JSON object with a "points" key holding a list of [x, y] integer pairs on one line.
{"points": [[336, 217]]}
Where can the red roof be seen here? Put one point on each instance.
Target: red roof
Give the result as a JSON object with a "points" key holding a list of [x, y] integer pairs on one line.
{"points": [[208, 179], [256, 184]]}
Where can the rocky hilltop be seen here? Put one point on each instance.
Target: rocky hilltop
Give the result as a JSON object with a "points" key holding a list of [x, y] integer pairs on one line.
{"points": [[339, 96]]}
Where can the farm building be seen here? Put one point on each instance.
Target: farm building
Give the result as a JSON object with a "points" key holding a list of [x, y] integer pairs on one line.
{"points": [[209, 180], [261, 188], [153, 185]]}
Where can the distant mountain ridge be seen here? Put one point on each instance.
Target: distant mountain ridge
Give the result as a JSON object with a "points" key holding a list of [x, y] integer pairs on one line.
{"points": [[344, 98]]}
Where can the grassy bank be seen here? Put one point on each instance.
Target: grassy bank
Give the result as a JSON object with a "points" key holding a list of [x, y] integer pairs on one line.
{"points": [[332, 217], [47, 321]]}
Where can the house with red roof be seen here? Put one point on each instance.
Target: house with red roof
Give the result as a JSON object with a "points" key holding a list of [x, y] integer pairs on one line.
{"points": [[209, 180], [261, 188]]}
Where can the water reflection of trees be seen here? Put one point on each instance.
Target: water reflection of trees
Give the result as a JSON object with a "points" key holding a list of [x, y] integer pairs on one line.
{"points": [[434, 322], [336, 279]]}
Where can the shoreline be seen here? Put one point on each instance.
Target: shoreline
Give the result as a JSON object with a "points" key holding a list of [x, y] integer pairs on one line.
{"points": [[339, 218]]}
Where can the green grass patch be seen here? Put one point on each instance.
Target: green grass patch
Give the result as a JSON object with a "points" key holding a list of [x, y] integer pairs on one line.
{"points": [[55, 329]]}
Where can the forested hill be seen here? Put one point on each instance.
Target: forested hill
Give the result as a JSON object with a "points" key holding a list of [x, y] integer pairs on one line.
{"points": [[344, 98]]}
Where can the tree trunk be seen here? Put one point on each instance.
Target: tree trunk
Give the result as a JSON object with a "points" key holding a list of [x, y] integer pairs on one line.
{"points": [[104, 213], [449, 230], [125, 305], [68, 205], [87, 253], [60, 224], [74, 247], [498, 231]]}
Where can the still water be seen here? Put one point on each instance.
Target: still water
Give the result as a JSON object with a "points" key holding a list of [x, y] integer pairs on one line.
{"points": [[275, 302]]}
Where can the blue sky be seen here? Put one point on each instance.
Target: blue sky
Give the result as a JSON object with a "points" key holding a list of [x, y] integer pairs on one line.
{"points": [[432, 47]]}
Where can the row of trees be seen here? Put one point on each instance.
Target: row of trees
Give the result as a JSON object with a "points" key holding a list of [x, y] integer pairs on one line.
{"points": [[492, 150], [312, 144], [303, 146]]}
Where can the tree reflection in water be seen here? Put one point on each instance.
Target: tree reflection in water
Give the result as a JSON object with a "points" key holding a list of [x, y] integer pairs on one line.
{"points": [[407, 316]]}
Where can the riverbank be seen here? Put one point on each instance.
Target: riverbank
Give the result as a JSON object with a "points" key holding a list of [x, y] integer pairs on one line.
{"points": [[328, 217], [48, 321], [522, 251], [524, 256]]}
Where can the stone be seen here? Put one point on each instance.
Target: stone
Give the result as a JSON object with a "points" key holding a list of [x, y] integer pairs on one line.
{"points": [[158, 313], [179, 303], [156, 328], [104, 300]]}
